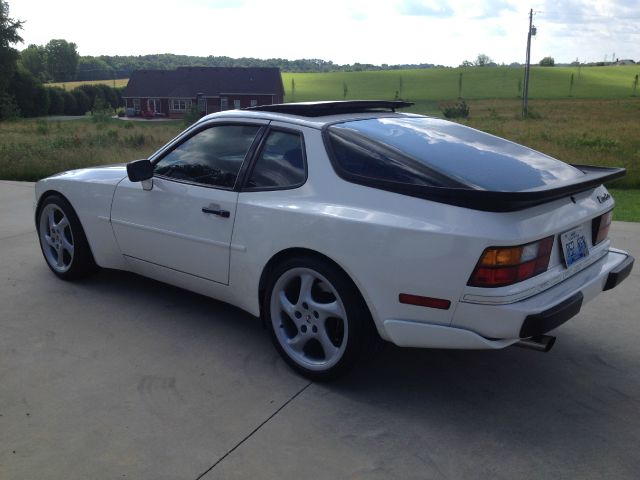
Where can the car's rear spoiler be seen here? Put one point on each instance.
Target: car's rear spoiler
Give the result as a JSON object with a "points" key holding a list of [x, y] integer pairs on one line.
{"points": [[496, 201]]}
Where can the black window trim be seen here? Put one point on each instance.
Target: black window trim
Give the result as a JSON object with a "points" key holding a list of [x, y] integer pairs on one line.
{"points": [[256, 155], [199, 127]]}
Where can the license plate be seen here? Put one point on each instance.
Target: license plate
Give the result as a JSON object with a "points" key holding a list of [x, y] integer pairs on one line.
{"points": [[574, 246]]}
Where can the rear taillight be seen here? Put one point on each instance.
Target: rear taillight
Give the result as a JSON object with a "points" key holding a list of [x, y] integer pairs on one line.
{"points": [[600, 227], [500, 266]]}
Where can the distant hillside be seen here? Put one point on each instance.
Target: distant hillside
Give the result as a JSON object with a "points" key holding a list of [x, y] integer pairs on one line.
{"points": [[436, 84], [477, 83]]}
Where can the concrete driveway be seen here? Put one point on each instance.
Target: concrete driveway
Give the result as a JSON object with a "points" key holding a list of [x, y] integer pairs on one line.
{"points": [[124, 377]]}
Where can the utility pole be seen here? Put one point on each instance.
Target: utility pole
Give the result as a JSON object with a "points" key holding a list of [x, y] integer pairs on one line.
{"points": [[525, 92]]}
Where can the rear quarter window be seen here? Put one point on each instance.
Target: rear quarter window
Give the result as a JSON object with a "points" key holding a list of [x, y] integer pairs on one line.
{"points": [[432, 152]]}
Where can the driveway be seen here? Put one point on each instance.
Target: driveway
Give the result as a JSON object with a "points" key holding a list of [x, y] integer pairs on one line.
{"points": [[124, 377]]}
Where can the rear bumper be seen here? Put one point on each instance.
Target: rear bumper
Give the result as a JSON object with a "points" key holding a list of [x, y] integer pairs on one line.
{"points": [[478, 326]]}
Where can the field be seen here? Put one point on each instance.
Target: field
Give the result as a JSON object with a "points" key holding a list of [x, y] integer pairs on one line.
{"points": [[33, 149], [477, 83], [119, 82]]}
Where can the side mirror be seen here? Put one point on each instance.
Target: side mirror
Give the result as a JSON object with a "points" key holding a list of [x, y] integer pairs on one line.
{"points": [[139, 170]]}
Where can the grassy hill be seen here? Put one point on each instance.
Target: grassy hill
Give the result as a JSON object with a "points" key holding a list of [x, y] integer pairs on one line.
{"points": [[434, 84], [120, 82], [477, 83]]}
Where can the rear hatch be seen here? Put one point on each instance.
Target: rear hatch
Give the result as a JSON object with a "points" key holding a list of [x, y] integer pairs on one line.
{"points": [[454, 164]]}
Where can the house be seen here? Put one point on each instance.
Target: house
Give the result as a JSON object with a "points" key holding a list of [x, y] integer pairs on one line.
{"points": [[170, 93]]}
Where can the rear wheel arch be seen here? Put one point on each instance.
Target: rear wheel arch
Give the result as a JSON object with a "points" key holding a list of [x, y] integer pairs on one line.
{"points": [[295, 252]]}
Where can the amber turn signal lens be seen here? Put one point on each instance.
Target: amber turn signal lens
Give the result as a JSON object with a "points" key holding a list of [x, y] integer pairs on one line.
{"points": [[501, 266]]}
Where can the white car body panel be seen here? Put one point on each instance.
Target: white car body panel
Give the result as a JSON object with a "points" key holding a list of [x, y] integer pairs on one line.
{"points": [[387, 243]]}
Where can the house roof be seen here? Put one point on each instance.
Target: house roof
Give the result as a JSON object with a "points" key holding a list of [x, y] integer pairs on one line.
{"points": [[210, 81]]}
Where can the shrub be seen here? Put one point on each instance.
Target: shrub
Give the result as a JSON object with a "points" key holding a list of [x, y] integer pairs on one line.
{"points": [[56, 101], [459, 110], [70, 103], [82, 101], [192, 115], [135, 140], [101, 111], [8, 108], [42, 127]]}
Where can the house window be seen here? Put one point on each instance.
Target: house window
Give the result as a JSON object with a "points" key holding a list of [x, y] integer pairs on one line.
{"points": [[154, 105], [136, 105], [224, 103], [236, 104], [254, 102], [180, 104]]}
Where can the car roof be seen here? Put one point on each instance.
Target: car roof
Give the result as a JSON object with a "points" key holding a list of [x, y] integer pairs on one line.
{"points": [[317, 114]]}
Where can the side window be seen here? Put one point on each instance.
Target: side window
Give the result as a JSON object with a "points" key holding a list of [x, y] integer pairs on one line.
{"points": [[211, 157], [281, 162]]}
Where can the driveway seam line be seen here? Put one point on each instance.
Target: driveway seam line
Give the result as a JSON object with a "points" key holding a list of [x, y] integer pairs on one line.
{"points": [[247, 437]]}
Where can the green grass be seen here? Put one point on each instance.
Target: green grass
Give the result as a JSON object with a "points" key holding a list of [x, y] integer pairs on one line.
{"points": [[34, 149], [627, 204], [120, 82], [435, 84]]}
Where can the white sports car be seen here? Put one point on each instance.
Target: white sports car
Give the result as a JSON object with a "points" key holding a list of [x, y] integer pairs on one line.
{"points": [[342, 222]]}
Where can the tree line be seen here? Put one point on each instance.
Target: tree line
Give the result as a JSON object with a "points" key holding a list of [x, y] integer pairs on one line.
{"points": [[22, 92]]}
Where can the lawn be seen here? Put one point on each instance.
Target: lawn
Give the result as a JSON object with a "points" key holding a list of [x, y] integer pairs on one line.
{"points": [[119, 82], [434, 84]]}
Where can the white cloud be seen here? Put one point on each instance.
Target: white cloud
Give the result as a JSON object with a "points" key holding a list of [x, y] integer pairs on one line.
{"points": [[344, 31]]}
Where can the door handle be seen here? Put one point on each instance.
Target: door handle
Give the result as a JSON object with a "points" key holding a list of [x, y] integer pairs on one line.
{"points": [[214, 211]]}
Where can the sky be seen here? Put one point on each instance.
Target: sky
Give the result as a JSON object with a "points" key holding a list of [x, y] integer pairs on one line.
{"points": [[343, 31]]}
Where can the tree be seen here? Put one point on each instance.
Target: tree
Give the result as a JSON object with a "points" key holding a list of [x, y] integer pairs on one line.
{"points": [[56, 101], [482, 60], [8, 55], [92, 68], [82, 102], [30, 95], [547, 62], [62, 60], [34, 59]]}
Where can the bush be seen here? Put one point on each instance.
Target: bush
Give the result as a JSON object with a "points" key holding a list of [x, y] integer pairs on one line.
{"points": [[108, 94], [459, 110], [82, 101], [30, 96], [70, 103], [8, 108], [135, 140], [192, 115], [101, 111], [56, 101]]}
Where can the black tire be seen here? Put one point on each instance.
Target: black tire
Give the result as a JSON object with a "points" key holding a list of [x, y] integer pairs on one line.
{"points": [[75, 264], [360, 332]]}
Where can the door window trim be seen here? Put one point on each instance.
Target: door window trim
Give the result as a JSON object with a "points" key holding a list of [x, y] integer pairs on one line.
{"points": [[248, 171], [191, 132]]}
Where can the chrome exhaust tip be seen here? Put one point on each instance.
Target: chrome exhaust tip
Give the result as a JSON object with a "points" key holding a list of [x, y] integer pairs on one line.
{"points": [[540, 343]]}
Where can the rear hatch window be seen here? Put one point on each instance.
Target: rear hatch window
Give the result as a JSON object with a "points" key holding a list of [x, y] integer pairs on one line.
{"points": [[437, 153]]}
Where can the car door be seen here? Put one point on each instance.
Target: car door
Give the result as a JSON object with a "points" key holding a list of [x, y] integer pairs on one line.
{"points": [[185, 221]]}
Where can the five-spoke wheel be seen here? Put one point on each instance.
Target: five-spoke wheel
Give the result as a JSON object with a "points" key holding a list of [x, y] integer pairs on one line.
{"points": [[318, 320], [62, 239]]}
